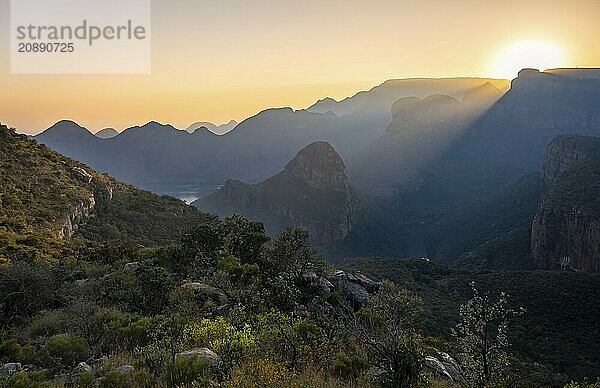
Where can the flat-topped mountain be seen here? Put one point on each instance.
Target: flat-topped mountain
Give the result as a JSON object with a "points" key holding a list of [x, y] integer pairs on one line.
{"points": [[377, 100], [312, 192]]}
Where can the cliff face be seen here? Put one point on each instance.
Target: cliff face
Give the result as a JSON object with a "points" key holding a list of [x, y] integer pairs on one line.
{"points": [[566, 228], [565, 100], [312, 192]]}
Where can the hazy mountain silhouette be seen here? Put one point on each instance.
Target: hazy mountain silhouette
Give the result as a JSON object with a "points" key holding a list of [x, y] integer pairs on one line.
{"points": [[160, 156], [378, 100], [312, 192], [216, 129], [106, 133]]}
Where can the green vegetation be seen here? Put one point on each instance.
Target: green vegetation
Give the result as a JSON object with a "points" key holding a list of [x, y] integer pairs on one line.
{"points": [[149, 292], [560, 326], [40, 190]]}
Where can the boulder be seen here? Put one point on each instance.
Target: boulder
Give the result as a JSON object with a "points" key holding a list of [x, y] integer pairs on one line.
{"points": [[325, 285], [368, 284], [83, 367], [11, 367], [131, 266], [204, 292], [212, 357], [349, 286], [451, 365], [437, 368]]}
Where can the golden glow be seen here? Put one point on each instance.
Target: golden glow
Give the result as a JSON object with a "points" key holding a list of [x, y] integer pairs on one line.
{"points": [[222, 60], [535, 54]]}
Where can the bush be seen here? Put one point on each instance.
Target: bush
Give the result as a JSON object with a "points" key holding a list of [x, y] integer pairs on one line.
{"points": [[348, 367], [221, 337], [64, 350], [185, 371]]}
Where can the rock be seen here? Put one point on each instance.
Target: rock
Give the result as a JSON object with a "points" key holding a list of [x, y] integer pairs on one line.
{"points": [[205, 292], [443, 365], [452, 367], [81, 174], [125, 368], [212, 357], [325, 285], [368, 284], [131, 266], [11, 367], [437, 368], [565, 233], [83, 367], [349, 286]]}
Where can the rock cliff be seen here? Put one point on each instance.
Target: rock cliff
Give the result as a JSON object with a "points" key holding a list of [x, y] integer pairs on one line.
{"points": [[566, 228]]}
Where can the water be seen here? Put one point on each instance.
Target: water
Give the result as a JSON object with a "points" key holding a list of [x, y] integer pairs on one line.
{"points": [[187, 193]]}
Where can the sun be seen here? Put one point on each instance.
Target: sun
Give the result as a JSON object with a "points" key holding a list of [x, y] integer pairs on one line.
{"points": [[536, 54]]}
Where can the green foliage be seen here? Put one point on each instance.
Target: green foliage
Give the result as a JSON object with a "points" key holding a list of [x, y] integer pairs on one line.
{"points": [[65, 350], [25, 380], [349, 367], [482, 334], [185, 371], [386, 326], [230, 343]]}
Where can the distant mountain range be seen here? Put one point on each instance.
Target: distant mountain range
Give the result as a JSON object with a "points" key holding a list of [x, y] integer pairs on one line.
{"points": [[156, 156], [429, 160]]}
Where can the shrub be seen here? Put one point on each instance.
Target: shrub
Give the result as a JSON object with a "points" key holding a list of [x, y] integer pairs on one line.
{"points": [[186, 371], [64, 350]]}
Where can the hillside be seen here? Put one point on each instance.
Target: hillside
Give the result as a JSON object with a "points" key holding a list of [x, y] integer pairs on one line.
{"points": [[46, 197], [559, 327]]}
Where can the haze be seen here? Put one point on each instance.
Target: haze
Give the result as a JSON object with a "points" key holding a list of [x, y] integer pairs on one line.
{"points": [[218, 61]]}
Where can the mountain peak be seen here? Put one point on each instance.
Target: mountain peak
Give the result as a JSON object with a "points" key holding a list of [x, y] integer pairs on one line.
{"points": [[320, 166], [65, 129]]}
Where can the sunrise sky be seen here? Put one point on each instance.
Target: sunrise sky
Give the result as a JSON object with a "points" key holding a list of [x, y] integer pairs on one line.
{"points": [[222, 60]]}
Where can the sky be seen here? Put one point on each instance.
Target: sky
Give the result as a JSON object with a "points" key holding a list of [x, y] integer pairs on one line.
{"points": [[229, 59]]}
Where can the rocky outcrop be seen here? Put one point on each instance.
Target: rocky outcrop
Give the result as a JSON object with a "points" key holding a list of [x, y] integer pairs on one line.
{"points": [[312, 192], [78, 215], [565, 234], [443, 365], [564, 152], [352, 287]]}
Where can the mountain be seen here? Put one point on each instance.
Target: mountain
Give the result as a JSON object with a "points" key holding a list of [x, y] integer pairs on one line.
{"points": [[216, 129], [548, 220], [566, 227], [46, 198], [377, 100], [312, 192], [106, 133], [421, 130], [163, 157]]}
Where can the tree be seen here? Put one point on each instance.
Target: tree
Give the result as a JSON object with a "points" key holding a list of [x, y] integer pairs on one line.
{"points": [[386, 327], [482, 334]]}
